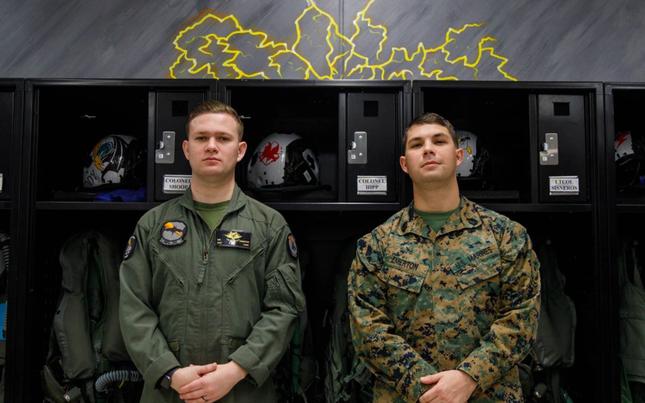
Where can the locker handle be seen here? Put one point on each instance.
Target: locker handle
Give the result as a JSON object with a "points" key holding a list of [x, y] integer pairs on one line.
{"points": [[358, 152], [165, 154], [549, 153]]}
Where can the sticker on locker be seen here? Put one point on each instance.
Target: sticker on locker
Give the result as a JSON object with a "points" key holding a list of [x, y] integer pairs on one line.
{"points": [[371, 185], [176, 183]]}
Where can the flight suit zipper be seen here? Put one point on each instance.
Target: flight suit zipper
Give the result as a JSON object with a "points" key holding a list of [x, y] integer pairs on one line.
{"points": [[207, 247]]}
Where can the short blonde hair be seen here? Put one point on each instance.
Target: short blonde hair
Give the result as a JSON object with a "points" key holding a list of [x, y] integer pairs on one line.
{"points": [[214, 106]]}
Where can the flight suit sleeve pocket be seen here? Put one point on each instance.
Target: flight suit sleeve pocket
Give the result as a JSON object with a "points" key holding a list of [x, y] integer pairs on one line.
{"points": [[401, 279], [283, 286], [173, 345]]}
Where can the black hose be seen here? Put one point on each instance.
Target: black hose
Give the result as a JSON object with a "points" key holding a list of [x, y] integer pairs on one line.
{"points": [[116, 376]]}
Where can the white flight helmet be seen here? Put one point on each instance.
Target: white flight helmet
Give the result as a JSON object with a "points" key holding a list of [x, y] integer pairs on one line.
{"points": [[468, 142], [282, 161]]}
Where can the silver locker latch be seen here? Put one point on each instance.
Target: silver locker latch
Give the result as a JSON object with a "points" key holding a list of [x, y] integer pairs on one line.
{"points": [[358, 152], [165, 154], [549, 155]]}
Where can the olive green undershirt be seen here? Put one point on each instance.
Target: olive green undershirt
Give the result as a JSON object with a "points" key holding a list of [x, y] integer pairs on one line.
{"points": [[211, 213], [435, 220]]}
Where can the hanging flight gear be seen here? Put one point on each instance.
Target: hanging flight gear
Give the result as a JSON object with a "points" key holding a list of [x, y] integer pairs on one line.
{"points": [[347, 378], [297, 370], [4, 269], [632, 320], [86, 341], [554, 345]]}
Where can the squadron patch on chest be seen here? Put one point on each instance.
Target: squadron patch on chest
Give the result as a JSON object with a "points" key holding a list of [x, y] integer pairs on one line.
{"points": [[233, 239], [173, 233]]}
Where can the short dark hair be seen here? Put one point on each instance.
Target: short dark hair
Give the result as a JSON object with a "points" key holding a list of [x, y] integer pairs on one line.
{"points": [[214, 106], [430, 118]]}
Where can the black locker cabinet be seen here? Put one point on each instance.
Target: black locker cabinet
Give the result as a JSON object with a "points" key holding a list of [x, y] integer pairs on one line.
{"points": [[534, 140], [625, 184], [11, 114], [562, 136], [172, 172], [7, 122], [373, 140], [70, 120], [352, 127], [512, 122], [494, 117], [626, 142]]}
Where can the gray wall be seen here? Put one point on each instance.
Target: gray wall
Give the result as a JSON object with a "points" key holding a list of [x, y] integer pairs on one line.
{"points": [[547, 40]]}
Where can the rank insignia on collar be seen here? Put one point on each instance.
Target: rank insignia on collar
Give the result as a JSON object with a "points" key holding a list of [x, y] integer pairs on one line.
{"points": [[292, 248], [173, 233], [233, 239], [132, 243]]}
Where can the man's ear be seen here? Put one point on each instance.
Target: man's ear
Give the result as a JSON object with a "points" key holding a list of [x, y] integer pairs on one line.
{"points": [[241, 150], [404, 163], [460, 156], [184, 147]]}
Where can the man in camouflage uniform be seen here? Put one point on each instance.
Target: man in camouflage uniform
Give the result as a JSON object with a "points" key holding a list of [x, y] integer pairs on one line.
{"points": [[210, 281], [443, 296]]}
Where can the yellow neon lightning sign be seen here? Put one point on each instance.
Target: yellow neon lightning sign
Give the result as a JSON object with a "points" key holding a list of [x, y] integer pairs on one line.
{"points": [[221, 47]]}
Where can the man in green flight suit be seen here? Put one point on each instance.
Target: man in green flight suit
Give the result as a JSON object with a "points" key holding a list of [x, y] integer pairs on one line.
{"points": [[210, 281], [444, 296]]}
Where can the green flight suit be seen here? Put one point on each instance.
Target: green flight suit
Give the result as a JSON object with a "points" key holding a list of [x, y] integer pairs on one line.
{"points": [[466, 297], [187, 299]]}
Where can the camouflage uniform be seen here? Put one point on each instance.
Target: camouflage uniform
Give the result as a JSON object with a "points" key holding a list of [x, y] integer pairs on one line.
{"points": [[464, 298]]}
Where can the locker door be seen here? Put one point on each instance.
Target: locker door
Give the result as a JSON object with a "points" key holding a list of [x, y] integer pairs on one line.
{"points": [[562, 135], [373, 147], [172, 172]]}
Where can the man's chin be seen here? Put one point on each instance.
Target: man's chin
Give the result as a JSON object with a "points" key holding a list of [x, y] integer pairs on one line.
{"points": [[214, 173], [433, 178]]}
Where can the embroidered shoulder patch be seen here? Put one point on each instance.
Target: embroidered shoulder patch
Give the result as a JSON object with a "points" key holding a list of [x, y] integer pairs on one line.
{"points": [[129, 248], [292, 248]]}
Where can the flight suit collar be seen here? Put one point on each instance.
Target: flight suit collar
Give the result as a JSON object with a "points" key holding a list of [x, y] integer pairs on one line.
{"points": [[238, 200], [466, 217]]}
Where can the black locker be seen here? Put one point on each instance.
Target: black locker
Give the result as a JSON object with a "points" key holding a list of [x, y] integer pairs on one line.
{"points": [[172, 172], [372, 129], [7, 99], [562, 160]]}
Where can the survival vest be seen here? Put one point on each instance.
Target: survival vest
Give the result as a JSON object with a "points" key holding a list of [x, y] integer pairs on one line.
{"points": [[346, 376], [632, 320], [554, 344], [297, 370], [4, 269], [86, 341]]}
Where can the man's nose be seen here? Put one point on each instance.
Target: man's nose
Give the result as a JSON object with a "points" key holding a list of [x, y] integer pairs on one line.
{"points": [[428, 147], [211, 144]]}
